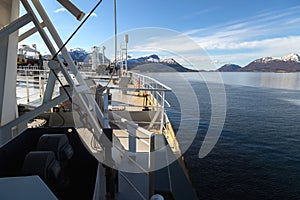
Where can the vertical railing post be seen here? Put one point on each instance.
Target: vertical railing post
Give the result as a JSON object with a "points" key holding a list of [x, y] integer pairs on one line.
{"points": [[27, 87], [43, 89], [143, 82], [156, 94], [162, 112], [40, 85]]}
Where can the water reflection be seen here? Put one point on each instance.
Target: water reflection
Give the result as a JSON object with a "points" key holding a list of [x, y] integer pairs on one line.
{"points": [[289, 81]]}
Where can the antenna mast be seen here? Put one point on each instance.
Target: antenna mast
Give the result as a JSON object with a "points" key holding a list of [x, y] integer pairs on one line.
{"points": [[115, 23]]}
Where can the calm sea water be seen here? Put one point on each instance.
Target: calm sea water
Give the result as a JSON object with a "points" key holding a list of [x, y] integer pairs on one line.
{"points": [[258, 153]]}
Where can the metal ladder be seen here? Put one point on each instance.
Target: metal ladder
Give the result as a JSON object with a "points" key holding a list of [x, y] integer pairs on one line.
{"points": [[89, 107]]}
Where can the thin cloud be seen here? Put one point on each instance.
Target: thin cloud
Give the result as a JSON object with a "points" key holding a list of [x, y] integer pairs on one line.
{"points": [[275, 47], [94, 15], [259, 32], [203, 52], [60, 10], [198, 13], [261, 24], [180, 47], [294, 21], [269, 33]]}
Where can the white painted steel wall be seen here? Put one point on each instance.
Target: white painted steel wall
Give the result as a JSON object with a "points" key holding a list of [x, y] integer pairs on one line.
{"points": [[9, 11]]}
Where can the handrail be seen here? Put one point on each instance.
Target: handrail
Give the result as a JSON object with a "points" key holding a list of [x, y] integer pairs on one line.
{"points": [[157, 91], [152, 79], [141, 89]]}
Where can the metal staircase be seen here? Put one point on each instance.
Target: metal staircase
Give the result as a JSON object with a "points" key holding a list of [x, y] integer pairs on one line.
{"points": [[77, 86]]}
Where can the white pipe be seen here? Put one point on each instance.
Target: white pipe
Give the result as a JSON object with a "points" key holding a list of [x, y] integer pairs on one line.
{"points": [[72, 9]]}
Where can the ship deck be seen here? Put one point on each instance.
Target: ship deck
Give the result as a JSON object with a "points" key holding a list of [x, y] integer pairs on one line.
{"points": [[136, 115]]}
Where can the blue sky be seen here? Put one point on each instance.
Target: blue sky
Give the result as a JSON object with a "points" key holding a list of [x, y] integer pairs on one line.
{"points": [[227, 31]]}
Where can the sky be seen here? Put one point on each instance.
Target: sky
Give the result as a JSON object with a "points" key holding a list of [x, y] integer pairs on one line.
{"points": [[221, 31]]}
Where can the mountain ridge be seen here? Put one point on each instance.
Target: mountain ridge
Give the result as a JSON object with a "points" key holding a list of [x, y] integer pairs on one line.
{"points": [[153, 63], [288, 63], [229, 68]]}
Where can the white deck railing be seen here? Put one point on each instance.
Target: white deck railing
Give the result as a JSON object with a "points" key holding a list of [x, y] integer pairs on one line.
{"points": [[155, 88], [31, 85]]}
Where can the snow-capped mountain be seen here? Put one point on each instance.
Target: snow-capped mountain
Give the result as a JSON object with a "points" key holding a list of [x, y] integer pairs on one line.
{"points": [[150, 63], [289, 63], [266, 60], [152, 59], [168, 61], [291, 57], [153, 63], [81, 55], [78, 54]]}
